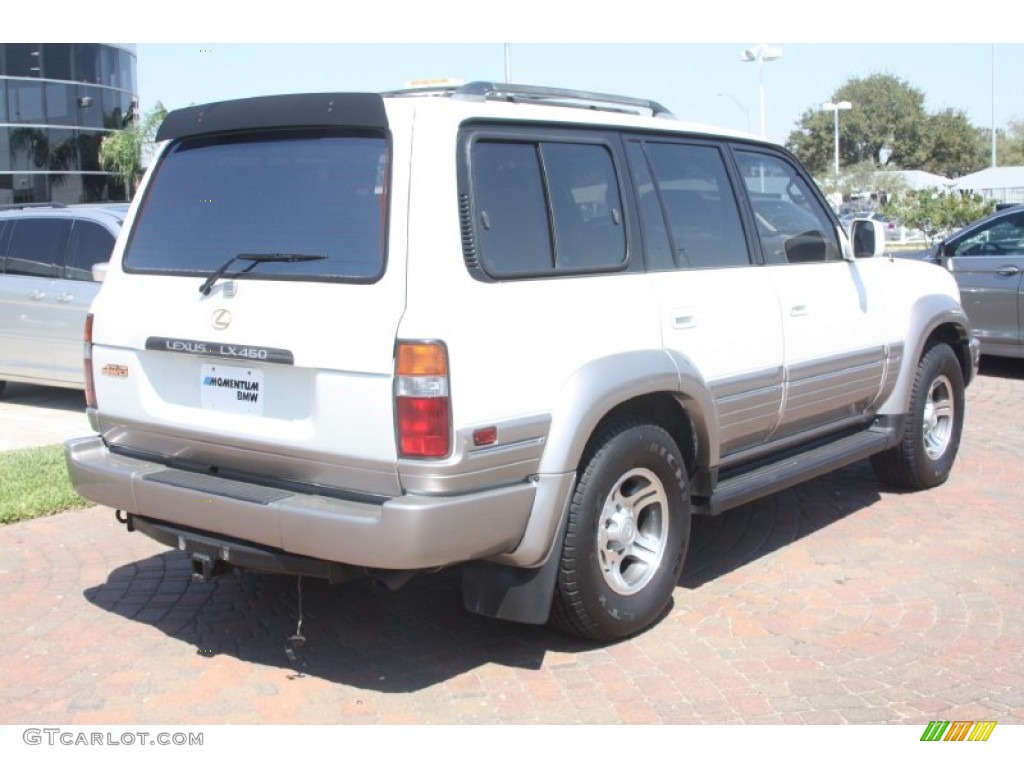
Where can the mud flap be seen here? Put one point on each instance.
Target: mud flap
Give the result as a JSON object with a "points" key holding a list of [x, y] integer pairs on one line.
{"points": [[513, 594]]}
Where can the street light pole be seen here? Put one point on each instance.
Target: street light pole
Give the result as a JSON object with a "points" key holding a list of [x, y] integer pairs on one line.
{"points": [[761, 54], [834, 107]]}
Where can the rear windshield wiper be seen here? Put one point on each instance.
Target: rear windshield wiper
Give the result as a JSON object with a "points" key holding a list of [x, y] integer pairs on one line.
{"points": [[255, 258]]}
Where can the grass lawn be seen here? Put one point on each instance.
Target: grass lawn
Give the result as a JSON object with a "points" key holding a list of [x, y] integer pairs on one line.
{"points": [[34, 482]]}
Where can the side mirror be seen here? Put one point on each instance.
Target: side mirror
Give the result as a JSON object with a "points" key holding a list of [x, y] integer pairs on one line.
{"points": [[868, 238], [942, 255], [99, 271]]}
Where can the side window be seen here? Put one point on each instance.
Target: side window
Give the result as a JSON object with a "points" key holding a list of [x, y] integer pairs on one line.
{"points": [[37, 247], [512, 218], [793, 226], [90, 244], [1003, 236], [546, 207], [699, 205]]}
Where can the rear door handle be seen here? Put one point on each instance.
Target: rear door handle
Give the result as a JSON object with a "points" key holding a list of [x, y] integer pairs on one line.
{"points": [[37, 295], [66, 297], [1008, 270], [798, 310]]}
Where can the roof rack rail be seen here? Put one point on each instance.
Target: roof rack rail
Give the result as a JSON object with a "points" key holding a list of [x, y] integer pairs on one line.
{"points": [[18, 206], [564, 97]]}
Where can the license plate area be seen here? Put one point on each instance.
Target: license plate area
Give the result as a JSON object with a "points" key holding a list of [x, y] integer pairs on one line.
{"points": [[231, 389]]}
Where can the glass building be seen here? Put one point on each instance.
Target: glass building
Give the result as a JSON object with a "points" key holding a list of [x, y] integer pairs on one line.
{"points": [[57, 101]]}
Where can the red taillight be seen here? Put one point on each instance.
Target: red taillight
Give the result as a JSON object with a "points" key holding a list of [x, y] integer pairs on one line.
{"points": [[90, 384], [422, 404], [423, 426]]}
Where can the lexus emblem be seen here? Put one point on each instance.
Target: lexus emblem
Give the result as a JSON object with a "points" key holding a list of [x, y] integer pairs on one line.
{"points": [[221, 319]]}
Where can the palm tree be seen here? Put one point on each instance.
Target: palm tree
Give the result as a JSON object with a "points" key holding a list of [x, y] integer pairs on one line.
{"points": [[121, 150]]}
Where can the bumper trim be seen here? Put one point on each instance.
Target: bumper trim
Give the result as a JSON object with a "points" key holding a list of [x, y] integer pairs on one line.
{"points": [[402, 533]]}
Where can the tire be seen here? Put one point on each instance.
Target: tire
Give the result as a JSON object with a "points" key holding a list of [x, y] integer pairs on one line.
{"points": [[934, 423], [627, 535], [2, 385]]}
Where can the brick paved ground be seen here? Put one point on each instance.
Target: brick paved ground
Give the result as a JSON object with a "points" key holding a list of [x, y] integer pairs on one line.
{"points": [[835, 602]]}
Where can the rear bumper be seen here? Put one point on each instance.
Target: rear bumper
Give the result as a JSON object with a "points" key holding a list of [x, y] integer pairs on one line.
{"points": [[406, 532]]}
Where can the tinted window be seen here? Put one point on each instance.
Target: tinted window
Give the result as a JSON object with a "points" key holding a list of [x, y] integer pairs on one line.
{"points": [[25, 102], [87, 62], [317, 195], [57, 61], [792, 224], [511, 209], [23, 59], [90, 244], [697, 200], [545, 207], [37, 247], [997, 238]]}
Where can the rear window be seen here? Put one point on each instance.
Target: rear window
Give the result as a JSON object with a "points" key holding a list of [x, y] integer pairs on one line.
{"points": [[213, 199]]}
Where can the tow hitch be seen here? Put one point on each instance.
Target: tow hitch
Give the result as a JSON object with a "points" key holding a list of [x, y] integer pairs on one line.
{"points": [[205, 567]]}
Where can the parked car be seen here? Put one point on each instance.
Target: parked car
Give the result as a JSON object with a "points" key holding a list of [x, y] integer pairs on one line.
{"points": [[987, 260], [46, 286], [524, 330]]}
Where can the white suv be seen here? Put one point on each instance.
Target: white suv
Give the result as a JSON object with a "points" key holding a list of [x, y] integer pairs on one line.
{"points": [[526, 330]]}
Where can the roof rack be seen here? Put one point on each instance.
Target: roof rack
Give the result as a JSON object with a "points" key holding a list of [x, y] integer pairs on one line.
{"points": [[537, 94], [17, 206]]}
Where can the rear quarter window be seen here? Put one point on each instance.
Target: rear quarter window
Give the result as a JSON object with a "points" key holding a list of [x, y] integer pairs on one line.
{"points": [[90, 244], [545, 208]]}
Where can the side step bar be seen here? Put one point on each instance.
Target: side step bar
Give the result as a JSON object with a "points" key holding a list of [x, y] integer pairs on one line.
{"points": [[792, 470]]}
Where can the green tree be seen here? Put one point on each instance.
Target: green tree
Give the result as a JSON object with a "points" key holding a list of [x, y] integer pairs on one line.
{"points": [[1011, 150], [888, 127], [950, 145], [935, 211], [1009, 144], [884, 125], [121, 150]]}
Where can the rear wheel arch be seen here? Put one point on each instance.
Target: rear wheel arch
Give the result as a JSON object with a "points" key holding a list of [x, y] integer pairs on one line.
{"points": [[661, 409], [658, 389]]}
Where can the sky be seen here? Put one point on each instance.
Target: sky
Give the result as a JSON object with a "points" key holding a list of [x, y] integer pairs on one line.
{"points": [[682, 54], [706, 83]]}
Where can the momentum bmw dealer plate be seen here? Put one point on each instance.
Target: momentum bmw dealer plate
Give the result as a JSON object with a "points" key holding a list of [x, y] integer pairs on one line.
{"points": [[230, 389]]}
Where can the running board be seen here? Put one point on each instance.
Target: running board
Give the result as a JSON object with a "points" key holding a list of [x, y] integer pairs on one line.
{"points": [[771, 478]]}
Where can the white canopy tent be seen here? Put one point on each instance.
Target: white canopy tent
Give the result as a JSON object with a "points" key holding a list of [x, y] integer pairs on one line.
{"points": [[917, 179], [1004, 185]]}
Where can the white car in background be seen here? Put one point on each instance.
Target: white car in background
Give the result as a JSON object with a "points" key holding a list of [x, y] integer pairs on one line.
{"points": [[46, 287]]}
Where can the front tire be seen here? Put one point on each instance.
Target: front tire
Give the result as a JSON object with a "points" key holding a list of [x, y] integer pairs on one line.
{"points": [[934, 423], [628, 531]]}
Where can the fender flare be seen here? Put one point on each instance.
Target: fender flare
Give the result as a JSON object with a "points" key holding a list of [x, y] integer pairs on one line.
{"points": [[598, 387], [928, 314]]}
